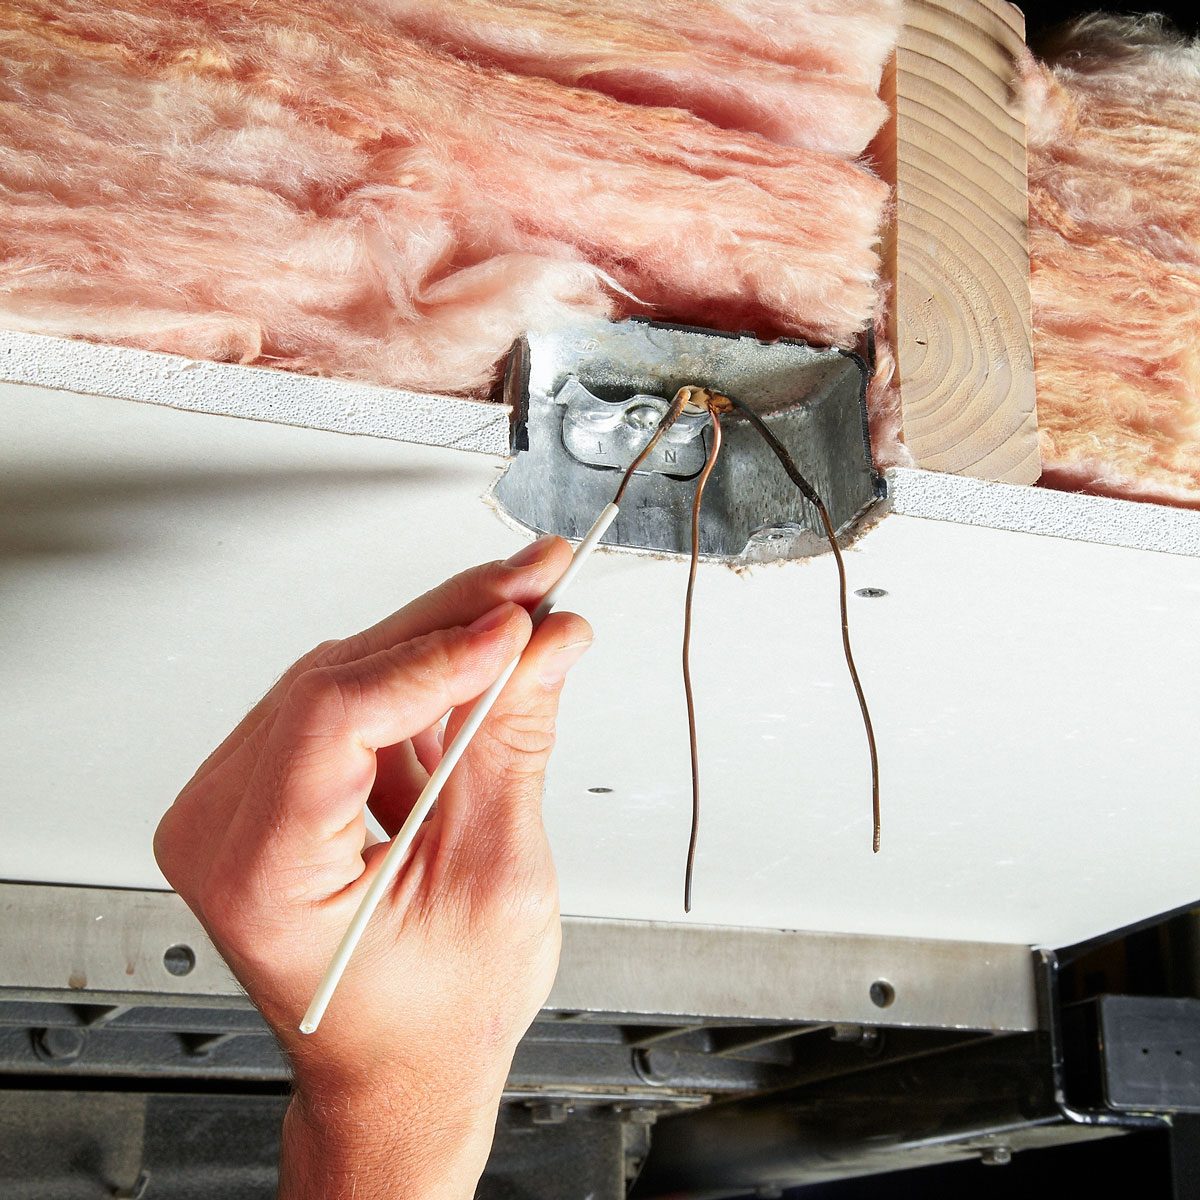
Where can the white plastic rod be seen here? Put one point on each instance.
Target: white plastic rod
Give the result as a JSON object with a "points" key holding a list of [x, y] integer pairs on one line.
{"points": [[398, 851]]}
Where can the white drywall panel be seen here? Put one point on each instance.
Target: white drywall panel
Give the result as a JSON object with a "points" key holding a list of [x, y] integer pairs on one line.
{"points": [[260, 393], [1043, 511], [1033, 696]]}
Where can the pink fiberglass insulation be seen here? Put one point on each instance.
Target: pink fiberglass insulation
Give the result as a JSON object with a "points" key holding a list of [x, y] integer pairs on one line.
{"points": [[308, 186], [800, 72], [1114, 193]]}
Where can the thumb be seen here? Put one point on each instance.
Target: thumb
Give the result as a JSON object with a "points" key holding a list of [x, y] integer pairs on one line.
{"points": [[494, 796]]}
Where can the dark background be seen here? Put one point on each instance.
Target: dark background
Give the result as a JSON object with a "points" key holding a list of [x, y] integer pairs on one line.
{"points": [[1102, 1169], [1134, 1164], [1039, 18]]}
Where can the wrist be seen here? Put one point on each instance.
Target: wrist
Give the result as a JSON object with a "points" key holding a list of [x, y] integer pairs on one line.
{"points": [[393, 1143]]}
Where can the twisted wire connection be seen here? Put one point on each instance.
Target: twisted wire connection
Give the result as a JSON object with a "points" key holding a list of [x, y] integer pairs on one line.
{"points": [[668, 419]]}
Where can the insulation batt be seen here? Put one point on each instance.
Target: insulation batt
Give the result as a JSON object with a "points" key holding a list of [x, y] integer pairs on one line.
{"points": [[801, 72], [335, 190], [1114, 193]]}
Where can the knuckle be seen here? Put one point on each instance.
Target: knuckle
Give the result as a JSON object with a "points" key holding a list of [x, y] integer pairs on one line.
{"points": [[478, 588], [439, 650], [327, 653], [471, 587], [522, 741], [318, 656], [532, 731], [319, 700], [432, 661], [332, 652], [349, 650]]}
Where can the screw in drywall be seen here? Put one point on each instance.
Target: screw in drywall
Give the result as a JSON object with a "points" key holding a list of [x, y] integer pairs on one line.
{"points": [[870, 593], [996, 1156], [63, 1044]]}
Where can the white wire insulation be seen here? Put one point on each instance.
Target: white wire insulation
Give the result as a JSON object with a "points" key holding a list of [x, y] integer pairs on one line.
{"points": [[374, 828], [393, 860]]}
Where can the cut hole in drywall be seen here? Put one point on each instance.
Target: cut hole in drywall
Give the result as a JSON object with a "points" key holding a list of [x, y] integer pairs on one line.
{"points": [[572, 439]]}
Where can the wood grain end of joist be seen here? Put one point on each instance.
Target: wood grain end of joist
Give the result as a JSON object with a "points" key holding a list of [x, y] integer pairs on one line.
{"points": [[958, 252]]}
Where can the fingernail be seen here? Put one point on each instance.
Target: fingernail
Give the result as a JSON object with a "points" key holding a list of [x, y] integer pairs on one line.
{"points": [[528, 555], [493, 619], [554, 669]]}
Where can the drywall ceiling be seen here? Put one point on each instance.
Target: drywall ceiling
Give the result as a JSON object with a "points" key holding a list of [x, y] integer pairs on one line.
{"points": [[1033, 696]]}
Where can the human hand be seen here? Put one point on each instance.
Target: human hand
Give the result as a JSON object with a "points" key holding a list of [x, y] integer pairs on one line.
{"points": [[268, 845]]}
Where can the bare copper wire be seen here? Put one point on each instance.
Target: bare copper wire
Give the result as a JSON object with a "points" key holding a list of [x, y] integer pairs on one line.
{"points": [[716, 403], [687, 656], [858, 688], [682, 397], [810, 494]]}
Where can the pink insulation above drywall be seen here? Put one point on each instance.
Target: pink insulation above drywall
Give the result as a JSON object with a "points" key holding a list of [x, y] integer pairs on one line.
{"points": [[1114, 196], [799, 73], [370, 192]]}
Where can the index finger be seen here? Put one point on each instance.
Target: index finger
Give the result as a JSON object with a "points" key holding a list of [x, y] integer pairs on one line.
{"points": [[524, 578]]}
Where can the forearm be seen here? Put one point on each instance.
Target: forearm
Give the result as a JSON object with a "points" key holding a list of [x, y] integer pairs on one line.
{"points": [[384, 1148]]}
